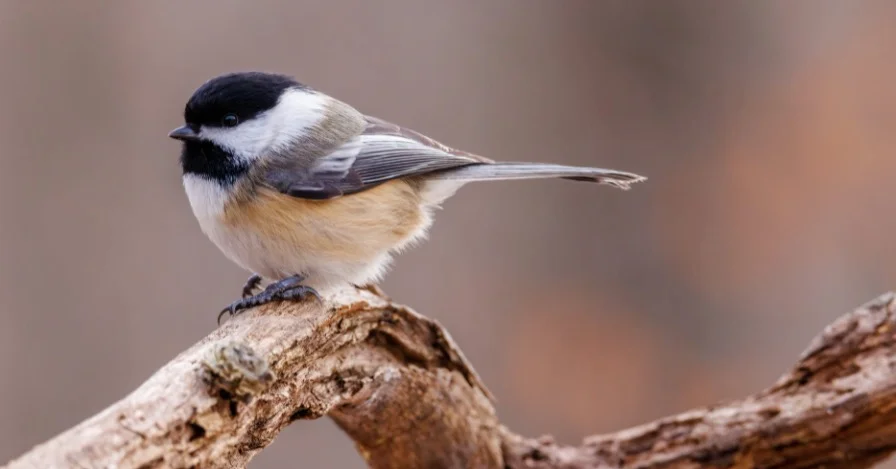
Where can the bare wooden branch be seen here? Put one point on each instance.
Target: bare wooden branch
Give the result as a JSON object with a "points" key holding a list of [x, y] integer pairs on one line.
{"points": [[835, 409], [396, 383]]}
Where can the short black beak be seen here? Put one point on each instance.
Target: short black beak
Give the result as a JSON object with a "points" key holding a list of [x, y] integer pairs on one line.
{"points": [[185, 133]]}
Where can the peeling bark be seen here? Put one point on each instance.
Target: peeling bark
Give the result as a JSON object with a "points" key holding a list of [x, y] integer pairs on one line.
{"points": [[397, 384]]}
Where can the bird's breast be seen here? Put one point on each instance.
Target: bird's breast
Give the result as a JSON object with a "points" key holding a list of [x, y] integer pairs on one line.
{"points": [[349, 227], [209, 200], [276, 234]]}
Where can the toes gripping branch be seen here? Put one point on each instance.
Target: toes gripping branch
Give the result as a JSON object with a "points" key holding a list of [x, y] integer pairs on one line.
{"points": [[288, 289]]}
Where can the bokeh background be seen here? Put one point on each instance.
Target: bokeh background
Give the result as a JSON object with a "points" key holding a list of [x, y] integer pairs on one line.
{"points": [[767, 129]]}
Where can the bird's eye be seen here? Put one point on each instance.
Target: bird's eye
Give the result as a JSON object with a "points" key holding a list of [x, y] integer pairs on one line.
{"points": [[230, 120]]}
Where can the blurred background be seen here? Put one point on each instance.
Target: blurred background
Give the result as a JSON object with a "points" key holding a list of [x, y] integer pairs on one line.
{"points": [[766, 128]]}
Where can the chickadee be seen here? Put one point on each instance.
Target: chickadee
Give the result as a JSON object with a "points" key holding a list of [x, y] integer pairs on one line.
{"points": [[311, 194]]}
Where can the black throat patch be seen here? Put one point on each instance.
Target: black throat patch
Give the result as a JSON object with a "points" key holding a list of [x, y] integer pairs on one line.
{"points": [[204, 158]]}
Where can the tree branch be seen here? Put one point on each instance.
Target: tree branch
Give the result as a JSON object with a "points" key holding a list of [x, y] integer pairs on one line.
{"points": [[397, 384]]}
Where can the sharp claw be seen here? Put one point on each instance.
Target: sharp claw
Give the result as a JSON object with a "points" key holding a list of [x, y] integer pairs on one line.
{"points": [[287, 289], [315, 294], [229, 309]]}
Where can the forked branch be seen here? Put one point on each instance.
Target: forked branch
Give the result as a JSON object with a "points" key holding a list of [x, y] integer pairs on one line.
{"points": [[397, 384]]}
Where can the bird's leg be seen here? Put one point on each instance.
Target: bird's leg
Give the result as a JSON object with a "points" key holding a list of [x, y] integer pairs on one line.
{"points": [[288, 289], [251, 284]]}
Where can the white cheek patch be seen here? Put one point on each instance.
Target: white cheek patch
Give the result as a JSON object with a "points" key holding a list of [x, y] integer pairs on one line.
{"points": [[245, 141], [295, 112]]}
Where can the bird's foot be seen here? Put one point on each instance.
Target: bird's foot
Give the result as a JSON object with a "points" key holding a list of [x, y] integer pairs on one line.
{"points": [[288, 289], [251, 285]]}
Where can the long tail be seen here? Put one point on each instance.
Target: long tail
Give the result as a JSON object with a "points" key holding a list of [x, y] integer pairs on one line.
{"points": [[506, 171]]}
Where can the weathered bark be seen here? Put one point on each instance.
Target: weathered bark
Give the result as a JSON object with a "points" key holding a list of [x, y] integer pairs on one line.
{"points": [[401, 389]]}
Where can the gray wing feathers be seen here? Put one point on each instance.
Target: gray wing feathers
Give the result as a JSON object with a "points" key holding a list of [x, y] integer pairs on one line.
{"points": [[386, 157], [361, 163], [338, 163], [372, 170], [385, 151], [408, 152]]}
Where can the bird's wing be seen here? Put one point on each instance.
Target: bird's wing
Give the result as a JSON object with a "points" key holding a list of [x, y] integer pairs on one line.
{"points": [[382, 152]]}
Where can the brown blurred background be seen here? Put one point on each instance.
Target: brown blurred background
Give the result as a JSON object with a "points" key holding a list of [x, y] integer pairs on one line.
{"points": [[767, 129]]}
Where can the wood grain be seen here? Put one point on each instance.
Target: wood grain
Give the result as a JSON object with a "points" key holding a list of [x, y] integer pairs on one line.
{"points": [[397, 384]]}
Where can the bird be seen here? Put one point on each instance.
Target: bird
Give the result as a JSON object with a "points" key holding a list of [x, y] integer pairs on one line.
{"points": [[310, 194]]}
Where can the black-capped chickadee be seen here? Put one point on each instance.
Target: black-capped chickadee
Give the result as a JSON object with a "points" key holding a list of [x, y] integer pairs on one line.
{"points": [[303, 190]]}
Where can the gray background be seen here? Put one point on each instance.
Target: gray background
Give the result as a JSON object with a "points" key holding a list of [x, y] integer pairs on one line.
{"points": [[767, 129]]}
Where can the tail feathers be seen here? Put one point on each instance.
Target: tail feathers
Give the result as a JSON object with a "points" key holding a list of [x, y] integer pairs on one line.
{"points": [[508, 171]]}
